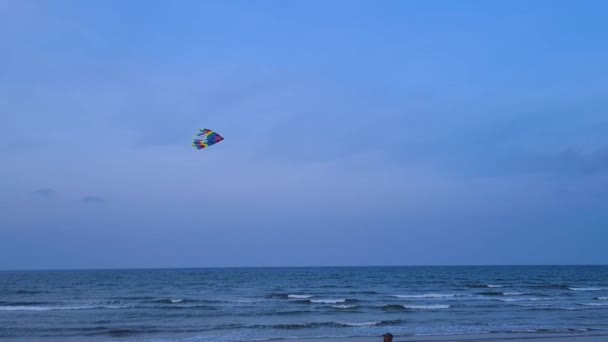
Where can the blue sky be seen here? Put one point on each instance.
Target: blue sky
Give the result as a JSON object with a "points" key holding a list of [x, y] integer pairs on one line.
{"points": [[357, 133]]}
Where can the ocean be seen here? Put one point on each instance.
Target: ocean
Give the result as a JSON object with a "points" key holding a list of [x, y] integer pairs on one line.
{"points": [[258, 304]]}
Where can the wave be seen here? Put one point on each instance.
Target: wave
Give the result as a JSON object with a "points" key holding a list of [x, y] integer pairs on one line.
{"points": [[543, 330], [327, 301], [245, 301], [601, 298], [163, 301], [132, 331], [491, 293], [181, 301], [428, 307], [594, 304], [345, 306], [290, 326], [135, 298], [555, 308], [53, 308], [5, 303], [295, 296], [277, 296], [288, 296], [585, 289], [551, 286], [401, 307], [527, 299], [497, 293], [428, 295], [362, 324], [180, 307], [491, 286], [298, 326]]}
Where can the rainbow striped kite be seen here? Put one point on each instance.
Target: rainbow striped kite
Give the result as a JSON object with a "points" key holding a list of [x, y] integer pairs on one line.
{"points": [[208, 138]]}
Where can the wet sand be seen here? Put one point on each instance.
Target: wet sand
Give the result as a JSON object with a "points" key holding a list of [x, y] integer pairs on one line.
{"points": [[498, 337]]}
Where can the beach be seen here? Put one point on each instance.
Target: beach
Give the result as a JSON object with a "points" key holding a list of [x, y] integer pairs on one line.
{"points": [[574, 337]]}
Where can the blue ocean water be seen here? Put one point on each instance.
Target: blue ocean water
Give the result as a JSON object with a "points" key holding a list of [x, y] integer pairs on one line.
{"points": [[249, 304]]}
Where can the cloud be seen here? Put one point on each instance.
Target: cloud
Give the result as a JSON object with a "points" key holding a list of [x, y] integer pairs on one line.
{"points": [[45, 192], [93, 200]]}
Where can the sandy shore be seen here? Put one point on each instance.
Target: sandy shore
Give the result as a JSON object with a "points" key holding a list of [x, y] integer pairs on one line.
{"points": [[557, 337], [537, 337]]}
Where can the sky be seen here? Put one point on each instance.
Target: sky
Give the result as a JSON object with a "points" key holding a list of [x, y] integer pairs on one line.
{"points": [[357, 133]]}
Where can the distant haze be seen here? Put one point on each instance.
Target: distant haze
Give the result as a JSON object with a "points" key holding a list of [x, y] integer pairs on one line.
{"points": [[356, 133]]}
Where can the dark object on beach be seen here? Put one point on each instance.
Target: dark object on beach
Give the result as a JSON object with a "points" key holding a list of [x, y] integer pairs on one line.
{"points": [[388, 337]]}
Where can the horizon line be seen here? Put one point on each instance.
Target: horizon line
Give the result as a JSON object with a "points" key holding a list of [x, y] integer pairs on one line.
{"points": [[278, 267]]}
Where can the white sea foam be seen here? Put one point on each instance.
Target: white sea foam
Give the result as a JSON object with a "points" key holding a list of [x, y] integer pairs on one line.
{"points": [[585, 288], [295, 296], [428, 307], [528, 299], [361, 324], [28, 308], [176, 300], [427, 295], [494, 286], [602, 298], [595, 304], [344, 306], [328, 301], [51, 308]]}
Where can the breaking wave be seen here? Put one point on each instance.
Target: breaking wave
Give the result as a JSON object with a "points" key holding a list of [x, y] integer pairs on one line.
{"points": [[426, 296], [52, 308], [296, 296]]}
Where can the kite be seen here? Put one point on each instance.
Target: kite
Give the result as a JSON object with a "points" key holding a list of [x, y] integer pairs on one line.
{"points": [[208, 138]]}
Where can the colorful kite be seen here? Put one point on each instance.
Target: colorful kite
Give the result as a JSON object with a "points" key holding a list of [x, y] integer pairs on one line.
{"points": [[208, 138]]}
